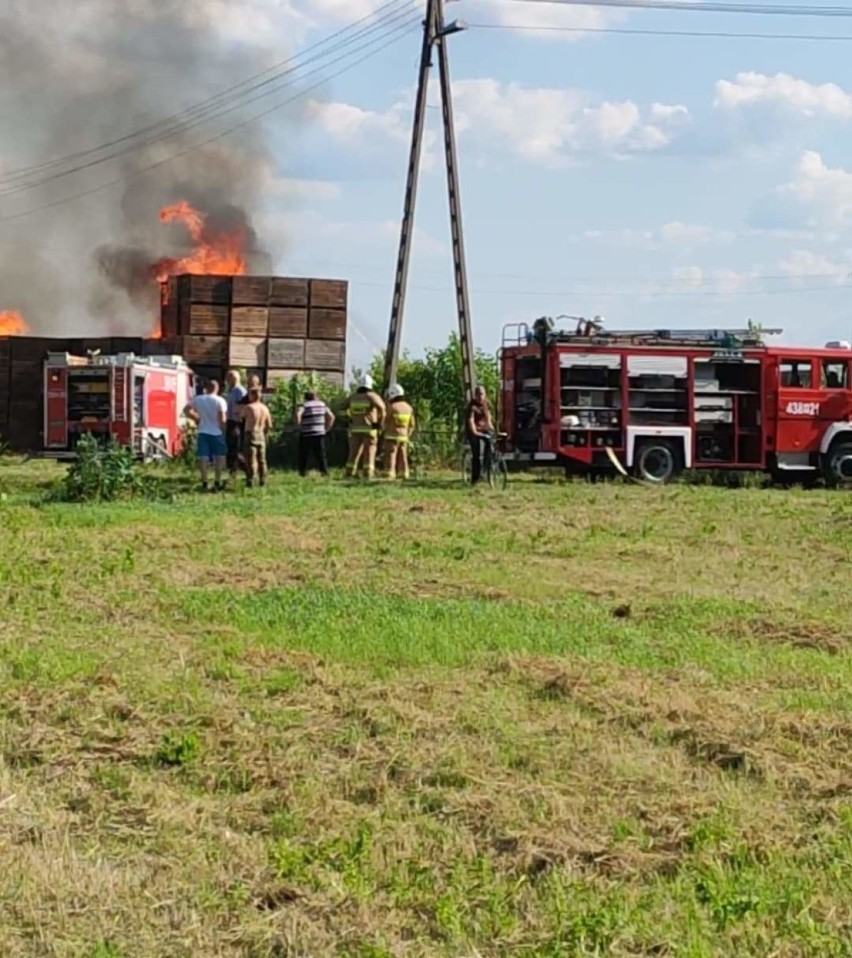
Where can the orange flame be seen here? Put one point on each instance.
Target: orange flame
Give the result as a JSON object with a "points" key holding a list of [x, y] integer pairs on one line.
{"points": [[217, 253], [214, 253], [12, 323]]}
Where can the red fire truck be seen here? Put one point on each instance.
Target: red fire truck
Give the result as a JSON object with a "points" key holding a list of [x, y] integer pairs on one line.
{"points": [[138, 401], [655, 402]]}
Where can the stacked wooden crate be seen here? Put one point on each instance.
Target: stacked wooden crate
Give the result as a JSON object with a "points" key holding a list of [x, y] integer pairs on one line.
{"points": [[271, 326], [5, 354], [26, 378]]}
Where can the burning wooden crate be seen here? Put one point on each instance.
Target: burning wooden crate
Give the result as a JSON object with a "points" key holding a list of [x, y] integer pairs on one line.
{"points": [[274, 325]]}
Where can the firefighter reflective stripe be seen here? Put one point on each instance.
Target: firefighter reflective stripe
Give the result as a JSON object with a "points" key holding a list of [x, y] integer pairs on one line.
{"points": [[392, 438], [360, 407], [402, 419], [363, 431]]}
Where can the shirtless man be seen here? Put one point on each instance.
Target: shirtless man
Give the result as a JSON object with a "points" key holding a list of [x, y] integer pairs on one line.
{"points": [[258, 423]]}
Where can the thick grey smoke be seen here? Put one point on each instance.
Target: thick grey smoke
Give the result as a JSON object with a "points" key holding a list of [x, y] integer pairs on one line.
{"points": [[75, 74]]}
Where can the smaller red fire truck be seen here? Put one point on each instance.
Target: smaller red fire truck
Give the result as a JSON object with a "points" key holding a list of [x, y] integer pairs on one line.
{"points": [[138, 401], [656, 402]]}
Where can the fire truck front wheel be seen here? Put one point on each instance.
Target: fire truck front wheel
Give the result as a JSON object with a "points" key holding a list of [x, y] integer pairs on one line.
{"points": [[658, 462], [838, 463]]}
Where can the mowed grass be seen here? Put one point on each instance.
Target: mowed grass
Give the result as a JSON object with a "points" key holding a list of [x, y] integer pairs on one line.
{"points": [[350, 720]]}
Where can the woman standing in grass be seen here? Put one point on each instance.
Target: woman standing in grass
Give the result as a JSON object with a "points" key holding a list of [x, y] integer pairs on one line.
{"points": [[479, 427]]}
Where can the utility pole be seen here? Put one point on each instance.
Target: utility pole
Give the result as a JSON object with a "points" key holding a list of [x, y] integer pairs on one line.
{"points": [[435, 34]]}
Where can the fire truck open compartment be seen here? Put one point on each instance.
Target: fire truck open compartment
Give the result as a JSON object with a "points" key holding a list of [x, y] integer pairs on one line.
{"points": [[594, 400], [89, 398]]}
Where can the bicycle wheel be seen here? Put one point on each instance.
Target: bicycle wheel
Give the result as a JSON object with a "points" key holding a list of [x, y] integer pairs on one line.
{"points": [[466, 466], [499, 477]]}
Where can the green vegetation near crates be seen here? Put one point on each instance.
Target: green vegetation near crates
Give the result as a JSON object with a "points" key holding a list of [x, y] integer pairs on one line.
{"points": [[331, 718]]}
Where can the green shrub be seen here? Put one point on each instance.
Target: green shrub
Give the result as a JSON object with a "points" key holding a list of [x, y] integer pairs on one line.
{"points": [[101, 473]]}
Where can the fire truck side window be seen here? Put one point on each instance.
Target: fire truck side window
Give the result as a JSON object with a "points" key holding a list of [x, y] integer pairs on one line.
{"points": [[796, 374], [835, 374]]}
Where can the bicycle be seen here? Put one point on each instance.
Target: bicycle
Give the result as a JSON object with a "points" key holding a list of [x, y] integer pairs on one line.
{"points": [[494, 468]]}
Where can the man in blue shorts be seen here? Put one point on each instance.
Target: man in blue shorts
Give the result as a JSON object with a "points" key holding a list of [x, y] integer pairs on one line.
{"points": [[210, 411]]}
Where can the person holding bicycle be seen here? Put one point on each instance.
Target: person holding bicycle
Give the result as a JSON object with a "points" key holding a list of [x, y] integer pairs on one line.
{"points": [[479, 429]]}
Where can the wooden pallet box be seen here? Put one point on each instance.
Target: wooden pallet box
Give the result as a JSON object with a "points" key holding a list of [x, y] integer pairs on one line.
{"points": [[288, 322], [200, 319], [210, 372], [325, 354], [35, 348], [210, 290], [247, 352], [289, 291], [329, 293], [327, 324], [169, 307], [250, 321], [251, 290], [286, 354], [205, 350], [126, 344]]}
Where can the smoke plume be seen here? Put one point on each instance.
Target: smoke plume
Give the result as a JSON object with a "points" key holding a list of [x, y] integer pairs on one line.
{"points": [[75, 74]]}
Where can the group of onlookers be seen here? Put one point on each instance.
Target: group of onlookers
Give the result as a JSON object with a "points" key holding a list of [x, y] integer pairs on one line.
{"points": [[233, 431]]}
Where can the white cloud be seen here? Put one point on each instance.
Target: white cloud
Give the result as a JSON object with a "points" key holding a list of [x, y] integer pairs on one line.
{"points": [[552, 21], [719, 282], [550, 125], [545, 125], [786, 92], [353, 124], [818, 197], [802, 265], [672, 233]]}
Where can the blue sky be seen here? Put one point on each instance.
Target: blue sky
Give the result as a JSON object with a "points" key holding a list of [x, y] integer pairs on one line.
{"points": [[656, 180]]}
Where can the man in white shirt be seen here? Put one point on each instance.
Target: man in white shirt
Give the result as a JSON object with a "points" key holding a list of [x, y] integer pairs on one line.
{"points": [[210, 411]]}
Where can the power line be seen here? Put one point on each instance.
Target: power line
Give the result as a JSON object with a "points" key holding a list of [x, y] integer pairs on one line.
{"points": [[649, 293], [656, 280], [202, 114], [713, 34], [395, 35], [698, 6]]}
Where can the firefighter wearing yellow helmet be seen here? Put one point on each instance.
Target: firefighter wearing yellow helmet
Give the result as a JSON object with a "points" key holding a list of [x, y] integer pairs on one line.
{"points": [[366, 411], [399, 428]]}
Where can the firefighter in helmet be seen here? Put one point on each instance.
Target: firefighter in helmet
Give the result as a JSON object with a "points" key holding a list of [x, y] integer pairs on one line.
{"points": [[399, 428], [366, 411]]}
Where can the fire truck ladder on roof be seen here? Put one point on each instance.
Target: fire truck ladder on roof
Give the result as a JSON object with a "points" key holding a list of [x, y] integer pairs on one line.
{"points": [[435, 34], [752, 336]]}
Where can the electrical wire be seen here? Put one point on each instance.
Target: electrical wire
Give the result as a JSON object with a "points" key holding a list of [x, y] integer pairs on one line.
{"points": [[698, 6], [625, 31], [374, 49], [207, 114], [635, 293]]}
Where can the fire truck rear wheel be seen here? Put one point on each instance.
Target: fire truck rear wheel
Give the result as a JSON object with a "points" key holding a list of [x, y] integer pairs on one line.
{"points": [[657, 462], [838, 466]]}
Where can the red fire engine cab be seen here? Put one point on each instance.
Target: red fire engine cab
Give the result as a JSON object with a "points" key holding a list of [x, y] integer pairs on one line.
{"points": [[660, 401], [138, 401]]}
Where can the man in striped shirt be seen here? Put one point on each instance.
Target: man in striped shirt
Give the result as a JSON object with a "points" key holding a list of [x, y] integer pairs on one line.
{"points": [[315, 419]]}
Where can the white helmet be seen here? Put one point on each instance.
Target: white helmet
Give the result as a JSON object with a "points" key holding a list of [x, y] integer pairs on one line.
{"points": [[365, 382], [396, 392]]}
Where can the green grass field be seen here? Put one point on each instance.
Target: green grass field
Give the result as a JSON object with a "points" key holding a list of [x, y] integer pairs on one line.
{"points": [[349, 720]]}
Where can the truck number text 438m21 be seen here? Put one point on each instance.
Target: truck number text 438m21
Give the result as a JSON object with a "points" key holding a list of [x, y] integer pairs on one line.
{"points": [[802, 409]]}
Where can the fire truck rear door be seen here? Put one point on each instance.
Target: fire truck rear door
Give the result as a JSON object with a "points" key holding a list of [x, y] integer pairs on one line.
{"points": [[800, 405]]}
